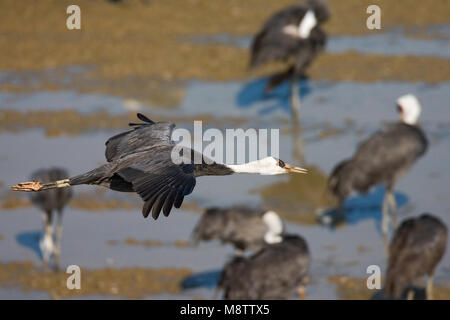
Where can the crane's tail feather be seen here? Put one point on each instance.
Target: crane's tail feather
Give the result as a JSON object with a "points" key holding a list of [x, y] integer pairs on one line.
{"points": [[38, 186]]}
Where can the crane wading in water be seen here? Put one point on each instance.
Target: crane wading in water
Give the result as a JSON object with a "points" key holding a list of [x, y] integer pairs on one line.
{"points": [[383, 158], [51, 201], [294, 33], [140, 160]]}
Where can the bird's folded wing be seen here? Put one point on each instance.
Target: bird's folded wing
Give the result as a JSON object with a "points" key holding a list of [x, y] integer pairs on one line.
{"points": [[160, 184], [142, 137]]}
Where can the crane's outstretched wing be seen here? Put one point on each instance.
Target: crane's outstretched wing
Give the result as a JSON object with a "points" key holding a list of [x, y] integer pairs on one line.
{"points": [[160, 182], [142, 137]]}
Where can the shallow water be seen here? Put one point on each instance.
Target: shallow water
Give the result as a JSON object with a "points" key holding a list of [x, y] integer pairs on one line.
{"points": [[354, 110], [392, 42]]}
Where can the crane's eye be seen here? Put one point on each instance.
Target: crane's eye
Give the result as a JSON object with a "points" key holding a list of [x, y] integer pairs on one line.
{"points": [[399, 108], [281, 163]]}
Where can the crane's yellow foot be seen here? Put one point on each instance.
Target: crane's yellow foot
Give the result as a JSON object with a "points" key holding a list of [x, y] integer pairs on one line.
{"points": [[27, 186], [301, 291]]}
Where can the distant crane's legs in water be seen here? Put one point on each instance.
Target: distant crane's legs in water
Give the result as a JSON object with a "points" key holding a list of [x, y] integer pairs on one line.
{"points": [[297, 140], [385, 223], [301, 291], [429, 288], [295, 96], [46, 243], [59, 230], [392, 208], [216, 293]]}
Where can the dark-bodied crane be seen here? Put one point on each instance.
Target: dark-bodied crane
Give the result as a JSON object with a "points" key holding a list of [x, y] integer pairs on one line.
{"points": [[275, 272], [145, 160], [382, 159], [416, 249], [51, 201], [244, 227], [294, 33]]}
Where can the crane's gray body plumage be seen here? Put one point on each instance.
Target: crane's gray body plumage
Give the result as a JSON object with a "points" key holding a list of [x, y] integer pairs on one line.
{"points": [[415, 250], [382, 158], [240, 226], [272, 44], [140, 160], [274, 272]]}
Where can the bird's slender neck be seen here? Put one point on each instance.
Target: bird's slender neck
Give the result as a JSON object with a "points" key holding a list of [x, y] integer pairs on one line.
{"points": [[250, 167], [213, 169], [308, 22], [263, 166]]}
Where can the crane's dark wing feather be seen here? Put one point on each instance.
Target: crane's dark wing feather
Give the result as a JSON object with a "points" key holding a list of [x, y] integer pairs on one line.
{"points": [[161, 183], [142, 137]]}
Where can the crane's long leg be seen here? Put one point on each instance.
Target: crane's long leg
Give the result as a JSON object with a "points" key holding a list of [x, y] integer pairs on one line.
{"points": [[385, 215], [295, 96], [392, 208], [37, 186], [297, 140], [46, 243], [385, 224], [429, 288], [301, 291], [59, 230]]}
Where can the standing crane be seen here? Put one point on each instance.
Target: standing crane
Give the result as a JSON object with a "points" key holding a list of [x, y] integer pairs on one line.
{"points": [[243, 227], [415, 250], [294, 33], [50, 201], [382, 159], [274, 272]]}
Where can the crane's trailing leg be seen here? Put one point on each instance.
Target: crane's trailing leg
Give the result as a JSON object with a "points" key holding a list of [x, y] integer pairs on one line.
{"points": [[46, 243], [59, 230], [37, 186], [295, 96]]}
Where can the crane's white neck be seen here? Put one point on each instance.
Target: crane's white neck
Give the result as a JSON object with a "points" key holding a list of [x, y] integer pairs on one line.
{"points": [[308, 22], [304, 28], [266, 166], [410, 109], [275, 227]]}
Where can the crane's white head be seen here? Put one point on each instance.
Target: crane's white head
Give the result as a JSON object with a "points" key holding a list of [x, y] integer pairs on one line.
{"points": [[266, 166], [409, 108], [274, 226]]}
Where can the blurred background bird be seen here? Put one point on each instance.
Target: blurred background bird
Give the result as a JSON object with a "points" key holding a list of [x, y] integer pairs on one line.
{"points": [[275, 272], [382, 159], [415, 250], [292, 35], [244, 227], [52, 203]]}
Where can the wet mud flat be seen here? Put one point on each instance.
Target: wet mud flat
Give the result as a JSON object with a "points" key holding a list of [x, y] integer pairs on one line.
{"points": [[60, 102], [116, 236]]}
